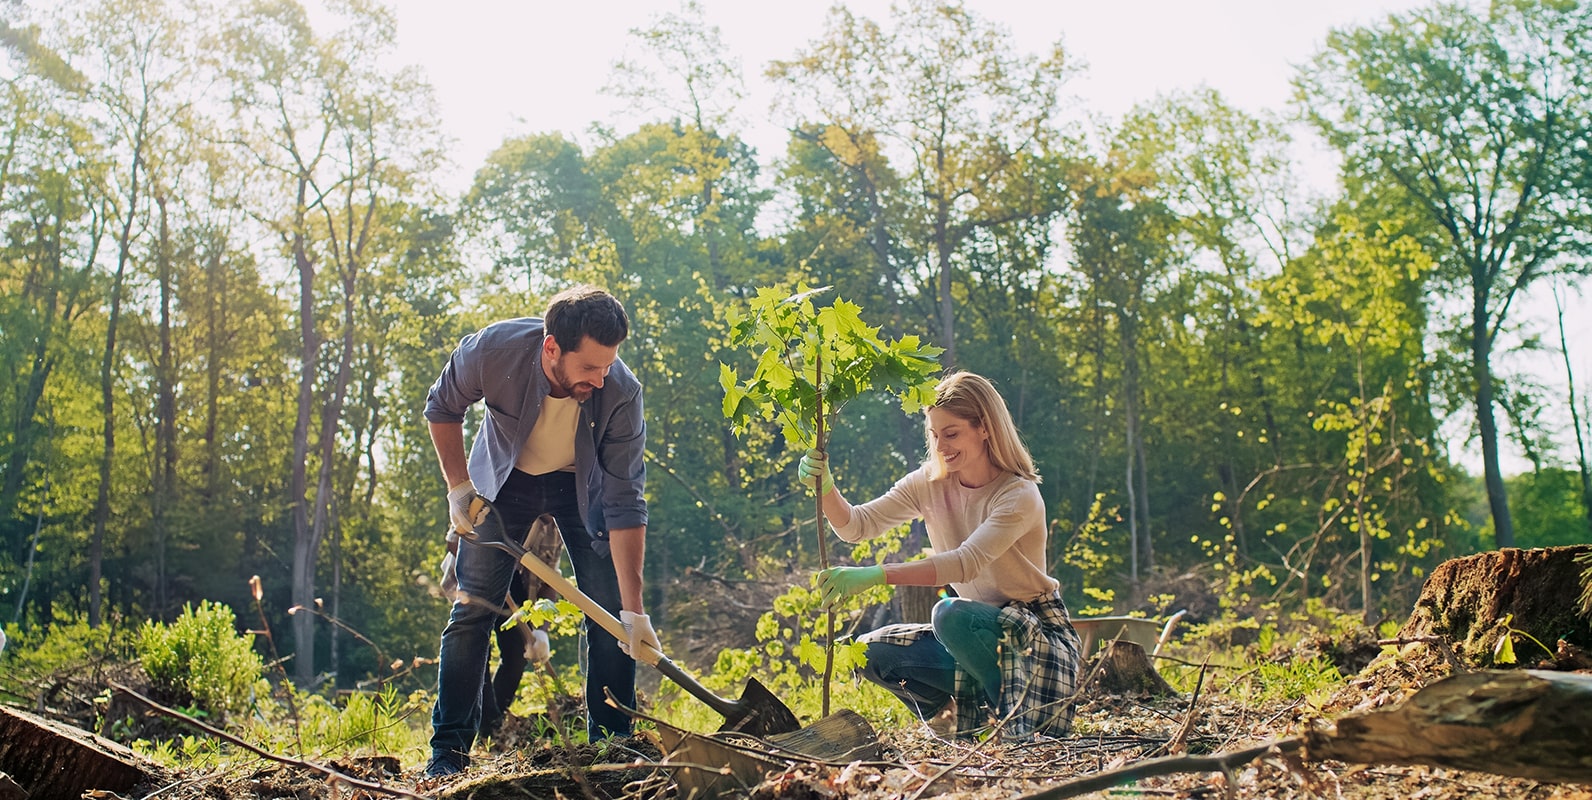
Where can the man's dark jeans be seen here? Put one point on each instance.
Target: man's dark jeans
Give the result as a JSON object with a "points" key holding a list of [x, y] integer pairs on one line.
{"points": [[484, 573]]}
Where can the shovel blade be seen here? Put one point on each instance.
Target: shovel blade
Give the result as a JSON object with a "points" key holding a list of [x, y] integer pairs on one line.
{"points": [[760, 713]]}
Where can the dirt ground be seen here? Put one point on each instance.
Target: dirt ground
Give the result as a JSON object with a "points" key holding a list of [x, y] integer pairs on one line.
{"points": [[1111, 733]]}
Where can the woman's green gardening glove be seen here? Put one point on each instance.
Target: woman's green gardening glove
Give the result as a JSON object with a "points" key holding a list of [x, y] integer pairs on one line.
{"points": [[814, 471], [838, 583]]}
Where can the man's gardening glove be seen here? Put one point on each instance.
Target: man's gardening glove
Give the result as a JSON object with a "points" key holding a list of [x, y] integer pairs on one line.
{"points": [[459, 497], [813, 471], [838, 583], [639, 626], [539, 648]]}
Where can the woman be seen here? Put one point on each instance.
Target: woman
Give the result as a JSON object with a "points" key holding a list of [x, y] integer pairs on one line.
{"points": [[1005, 640]]}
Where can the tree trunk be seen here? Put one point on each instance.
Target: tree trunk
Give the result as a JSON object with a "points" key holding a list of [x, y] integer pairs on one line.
{"points": [[944, 248], [1473, 601], [917, 602], [305, 544], [1481, 370], [165, 466], [1575, 416]]}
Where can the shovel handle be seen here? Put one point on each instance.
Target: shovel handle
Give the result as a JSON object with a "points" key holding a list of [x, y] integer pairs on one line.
{"points": [[650, 655], [561, 584]]}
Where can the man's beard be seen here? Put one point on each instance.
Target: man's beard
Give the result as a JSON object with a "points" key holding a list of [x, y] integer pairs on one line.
{"points": [[580, 391]]}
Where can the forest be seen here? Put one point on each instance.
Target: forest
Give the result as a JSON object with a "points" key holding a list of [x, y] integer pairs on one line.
{"points": [[231, 273]]}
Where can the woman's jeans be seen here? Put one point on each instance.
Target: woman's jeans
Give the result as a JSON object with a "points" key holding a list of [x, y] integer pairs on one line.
{"points": [[923, 673], [484, 573]]}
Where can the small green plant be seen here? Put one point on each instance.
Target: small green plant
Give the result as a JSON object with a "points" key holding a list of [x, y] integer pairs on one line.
{"points": [[200, 659], [368, 723], [1286, 680], [187, 752], [1504, 650]]}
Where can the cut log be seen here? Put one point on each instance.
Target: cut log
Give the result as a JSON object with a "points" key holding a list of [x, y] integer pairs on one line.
{"points": [[729, 764], [51, 761], [1475, 600], [1125, 669], [1524, 723], [9, 790]]}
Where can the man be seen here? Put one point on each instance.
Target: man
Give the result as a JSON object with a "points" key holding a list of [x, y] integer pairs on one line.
{"points": [[562, 435]]}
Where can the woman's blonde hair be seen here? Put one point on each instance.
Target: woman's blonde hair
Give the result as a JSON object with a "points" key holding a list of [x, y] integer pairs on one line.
{"points": [[973, 398]]}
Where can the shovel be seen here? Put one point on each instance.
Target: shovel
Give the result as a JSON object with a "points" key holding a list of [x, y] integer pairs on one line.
{"points": [[757, 713]]}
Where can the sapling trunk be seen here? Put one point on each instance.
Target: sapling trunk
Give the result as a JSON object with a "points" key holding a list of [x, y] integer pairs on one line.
{"points": [[820, 525]]}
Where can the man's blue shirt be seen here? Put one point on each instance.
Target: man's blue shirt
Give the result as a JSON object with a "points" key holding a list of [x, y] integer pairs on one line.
{"points": [[502, 365]]}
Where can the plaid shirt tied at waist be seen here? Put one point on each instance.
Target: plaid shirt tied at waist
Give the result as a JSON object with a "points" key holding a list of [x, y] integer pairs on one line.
{"points": [[1039, 661]]}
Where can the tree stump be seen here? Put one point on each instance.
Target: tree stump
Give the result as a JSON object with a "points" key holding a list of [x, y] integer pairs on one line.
{"points": [[1468, 600], [917, 602], [1125, 669], [51, 761]]}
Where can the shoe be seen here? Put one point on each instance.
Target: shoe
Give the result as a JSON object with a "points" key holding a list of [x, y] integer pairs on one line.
{"points": [[943, 724], [442, 765]]}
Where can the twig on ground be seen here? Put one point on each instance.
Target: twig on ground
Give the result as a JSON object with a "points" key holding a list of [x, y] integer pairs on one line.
{"points": [[1077, 694], [334, 775], [1179, 741]]}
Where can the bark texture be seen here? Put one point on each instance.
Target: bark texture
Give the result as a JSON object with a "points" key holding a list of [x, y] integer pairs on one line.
{"points": [[1525, 723], [1475, 600], [51, 761]]}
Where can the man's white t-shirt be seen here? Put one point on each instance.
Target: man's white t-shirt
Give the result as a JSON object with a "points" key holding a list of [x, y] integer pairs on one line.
{"points": [[551, 445]]}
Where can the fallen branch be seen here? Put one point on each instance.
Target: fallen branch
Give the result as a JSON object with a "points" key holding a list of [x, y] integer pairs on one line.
{"points": [[1521, 723], [334, 775], [1525, 723], [1170, 765]]}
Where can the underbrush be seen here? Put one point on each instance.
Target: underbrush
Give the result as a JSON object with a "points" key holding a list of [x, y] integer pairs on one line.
{"points": [[1270, 655]]}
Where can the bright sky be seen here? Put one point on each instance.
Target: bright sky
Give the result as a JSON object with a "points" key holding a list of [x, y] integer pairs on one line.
{"points": [[504, 68], [507, 67]]}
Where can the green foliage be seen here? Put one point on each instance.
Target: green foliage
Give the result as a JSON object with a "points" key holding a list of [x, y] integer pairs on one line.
{"points": [[788, 659], [1547, 505], [67, 647], [794, 341], [201, 659], [196, 752], [383, 723], [1263, 656], [1094, 558]]}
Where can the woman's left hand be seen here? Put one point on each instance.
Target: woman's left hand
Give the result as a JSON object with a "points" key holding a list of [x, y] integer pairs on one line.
{"points": [[838, 583]]}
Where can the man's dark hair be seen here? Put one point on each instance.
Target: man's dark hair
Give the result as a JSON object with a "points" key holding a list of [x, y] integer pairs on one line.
{"points": [[582, 311]]}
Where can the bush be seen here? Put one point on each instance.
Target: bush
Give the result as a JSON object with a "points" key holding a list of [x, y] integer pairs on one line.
{"points": [[68, 652], [201, 660]]}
